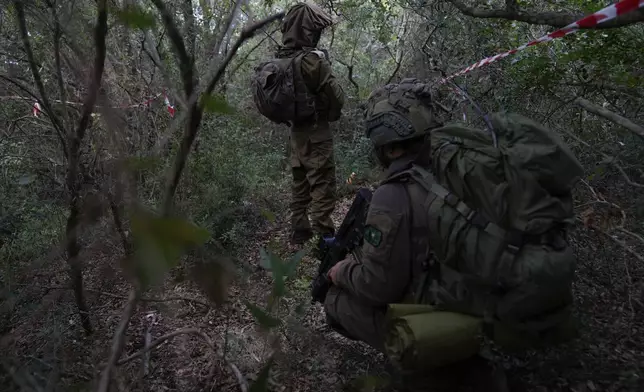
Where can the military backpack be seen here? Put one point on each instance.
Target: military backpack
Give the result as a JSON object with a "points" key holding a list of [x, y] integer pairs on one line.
{"points": [[280, 92], [498, 207]]}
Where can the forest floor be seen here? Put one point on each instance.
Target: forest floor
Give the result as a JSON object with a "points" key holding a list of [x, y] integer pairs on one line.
{"points": [[44, 344]]}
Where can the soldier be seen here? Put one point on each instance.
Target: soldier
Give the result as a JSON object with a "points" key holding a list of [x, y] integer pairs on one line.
{"points": [[311, 140], [487, 250], [395, 241], [357, 302]]}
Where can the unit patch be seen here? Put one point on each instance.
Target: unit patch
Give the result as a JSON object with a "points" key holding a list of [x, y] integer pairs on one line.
{"points": [[372, 235]]}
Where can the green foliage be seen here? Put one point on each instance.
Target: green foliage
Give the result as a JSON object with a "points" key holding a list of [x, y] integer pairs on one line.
{"points": [[216, 104], [159, 243], [229, 167], [135, 17], [281, 270], [263, 318]]}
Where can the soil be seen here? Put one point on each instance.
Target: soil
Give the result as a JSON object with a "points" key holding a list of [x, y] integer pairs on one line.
{"points": [[44, 347]]}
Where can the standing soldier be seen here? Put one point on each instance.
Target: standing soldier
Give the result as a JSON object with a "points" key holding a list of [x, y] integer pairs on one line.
{"points": [[311, 139]]}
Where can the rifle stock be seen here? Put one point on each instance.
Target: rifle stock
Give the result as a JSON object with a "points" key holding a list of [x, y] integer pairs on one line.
{"points": [[347, 240]]}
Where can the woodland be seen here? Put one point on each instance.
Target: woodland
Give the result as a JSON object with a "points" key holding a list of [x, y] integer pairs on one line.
{"points": [[144, 200]]}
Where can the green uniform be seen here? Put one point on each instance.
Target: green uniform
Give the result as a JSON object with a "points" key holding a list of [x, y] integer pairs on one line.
{"points": [[311, 142], [392, 256], [514, 281]]}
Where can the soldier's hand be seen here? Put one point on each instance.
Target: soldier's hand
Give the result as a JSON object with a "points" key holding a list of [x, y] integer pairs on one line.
{"points": [[332, 274]]}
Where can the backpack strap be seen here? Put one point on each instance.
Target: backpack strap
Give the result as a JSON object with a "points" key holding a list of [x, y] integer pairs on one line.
{"points": [[429, 265], [296, 63]]}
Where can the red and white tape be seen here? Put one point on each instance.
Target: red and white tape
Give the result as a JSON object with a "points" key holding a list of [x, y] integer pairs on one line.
{"points": [[604, 15]]}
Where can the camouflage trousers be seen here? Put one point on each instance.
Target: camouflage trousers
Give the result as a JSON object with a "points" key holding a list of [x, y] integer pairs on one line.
{"points": [[354, 319], [314, 184]]}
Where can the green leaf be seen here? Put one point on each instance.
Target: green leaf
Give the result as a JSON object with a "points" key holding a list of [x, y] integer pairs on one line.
{"points": [[291, 267], [261, 383], [216, 104], [159, 243], [268, 260], [213, 277], [263, 318], [133, 16]]}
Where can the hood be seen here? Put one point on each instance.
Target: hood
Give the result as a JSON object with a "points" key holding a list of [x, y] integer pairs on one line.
{"points": [[303, 25]]}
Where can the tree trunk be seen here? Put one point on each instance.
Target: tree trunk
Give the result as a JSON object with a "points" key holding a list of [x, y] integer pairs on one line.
{"points": [[75, 269]]}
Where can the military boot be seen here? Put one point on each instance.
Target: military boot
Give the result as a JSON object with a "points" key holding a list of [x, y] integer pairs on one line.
{"points": [[300, 236]]}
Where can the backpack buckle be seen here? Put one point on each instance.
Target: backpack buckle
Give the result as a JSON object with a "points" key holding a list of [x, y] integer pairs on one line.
{"points": [[451, 199], [512, 249]]}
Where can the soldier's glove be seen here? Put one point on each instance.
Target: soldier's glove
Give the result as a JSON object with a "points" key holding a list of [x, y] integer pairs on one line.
{"points": [[328, 241]]}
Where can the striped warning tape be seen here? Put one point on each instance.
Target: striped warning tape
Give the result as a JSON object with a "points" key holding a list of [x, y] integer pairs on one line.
{"points": [[604, 15]]}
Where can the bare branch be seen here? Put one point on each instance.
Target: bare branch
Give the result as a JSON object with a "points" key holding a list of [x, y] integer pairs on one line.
{"points": [[246, 34], [622, 244], [153, 53], [99, 65], [164, 338], [59, 71], [22, 25], [185, 64], [22, 87], [350, 75], [227, 26], [243, 384], [142, 299], [612, 160], [611, 116], [243, 60], [554, 19], [119, 341]]}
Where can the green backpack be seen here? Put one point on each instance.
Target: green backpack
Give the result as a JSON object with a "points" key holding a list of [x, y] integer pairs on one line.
{"points": [[498, 206], [279, 91]]}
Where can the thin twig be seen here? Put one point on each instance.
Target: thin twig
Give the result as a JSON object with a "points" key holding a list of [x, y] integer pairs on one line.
{"points": [[59, 71], [185, 65], [610, 159], [118, 341], [196, 111], [22, 25], [611, 116], [243, 384]]}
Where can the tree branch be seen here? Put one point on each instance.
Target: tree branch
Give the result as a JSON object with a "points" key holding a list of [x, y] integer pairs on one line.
{"points": [[350, 75], [554, 19], [250, 51], [243, 384], [59, 71], [611, 116], [118, 341], [164, 338], [612, 160], [185, 64], [22, 25], [196, 110], [194, 120]]}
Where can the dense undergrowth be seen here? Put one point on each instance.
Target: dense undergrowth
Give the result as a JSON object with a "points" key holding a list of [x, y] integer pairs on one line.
{"points": [[235, 187]]}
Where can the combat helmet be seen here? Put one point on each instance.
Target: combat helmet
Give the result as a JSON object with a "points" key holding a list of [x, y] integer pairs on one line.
{"points": [[401, 111]]}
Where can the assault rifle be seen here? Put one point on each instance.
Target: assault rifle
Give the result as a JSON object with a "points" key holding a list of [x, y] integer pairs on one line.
{"points": [[348, 240]]}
